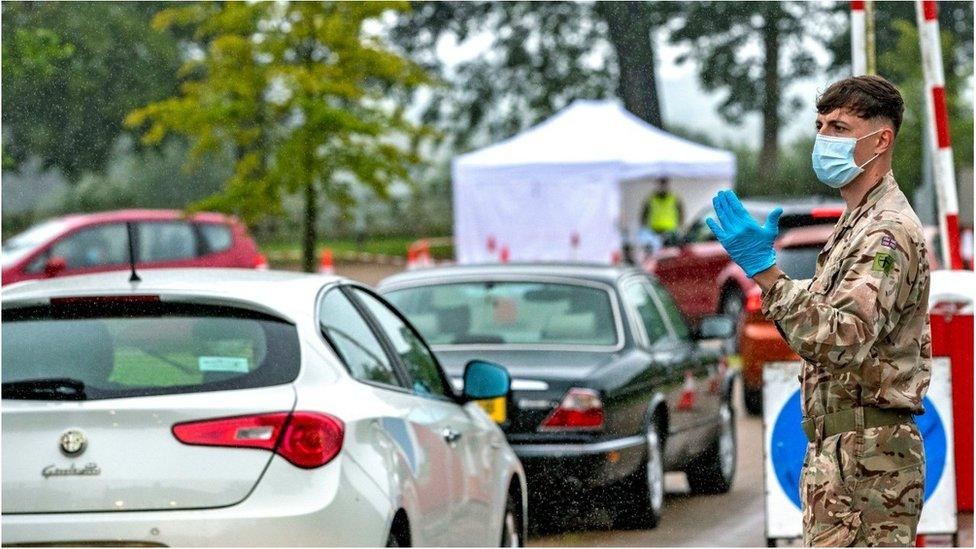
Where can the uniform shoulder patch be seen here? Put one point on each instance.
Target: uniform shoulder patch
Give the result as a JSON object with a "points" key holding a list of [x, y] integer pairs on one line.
{"points": [[889, 242], [883, 262]]}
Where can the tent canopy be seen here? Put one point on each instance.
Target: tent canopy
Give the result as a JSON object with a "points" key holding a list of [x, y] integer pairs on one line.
{"points": [[558, 190]]}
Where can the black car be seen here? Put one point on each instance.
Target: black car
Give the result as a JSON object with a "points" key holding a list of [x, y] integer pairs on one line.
{"points": [[610, 387]]}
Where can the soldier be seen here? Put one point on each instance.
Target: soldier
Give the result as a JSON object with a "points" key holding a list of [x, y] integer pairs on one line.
{"points": [[860, 325]]}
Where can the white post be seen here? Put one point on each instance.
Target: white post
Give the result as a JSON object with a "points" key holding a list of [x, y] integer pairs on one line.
{"points": [[859, 60], [938, 128]]}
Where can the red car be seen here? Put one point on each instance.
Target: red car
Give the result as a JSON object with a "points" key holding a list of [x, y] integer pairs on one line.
{"points": [[699, 273], [91, 243]]}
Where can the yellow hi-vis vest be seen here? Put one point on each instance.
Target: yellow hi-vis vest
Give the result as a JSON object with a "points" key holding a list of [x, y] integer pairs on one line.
{"points": [[663, 216]]}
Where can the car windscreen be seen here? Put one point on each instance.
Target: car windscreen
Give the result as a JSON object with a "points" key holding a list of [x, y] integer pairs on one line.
{"points": [[799, 262], [100, 350], [26, 242], [509, 313]]}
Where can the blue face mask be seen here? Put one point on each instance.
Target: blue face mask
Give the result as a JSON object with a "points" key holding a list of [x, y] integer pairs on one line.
{"points": [[833, 159]]}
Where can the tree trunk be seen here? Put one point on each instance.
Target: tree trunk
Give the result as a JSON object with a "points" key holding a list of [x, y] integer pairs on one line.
{"points": [[311, 218], [769, 156], [630, 29]]}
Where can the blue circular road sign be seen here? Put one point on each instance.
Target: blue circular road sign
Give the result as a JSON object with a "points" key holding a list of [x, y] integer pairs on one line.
{"points": [[789, 445]]}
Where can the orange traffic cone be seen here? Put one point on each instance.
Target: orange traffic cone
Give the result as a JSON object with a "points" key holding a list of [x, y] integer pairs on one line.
{"points": [[418, 255], [687, 401], [325, 263]]}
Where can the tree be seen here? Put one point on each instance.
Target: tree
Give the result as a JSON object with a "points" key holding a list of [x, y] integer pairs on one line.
{"points": [[902, 64], [301, 93], [71, 72], [539, 57], [740, 48], [955, 18]]}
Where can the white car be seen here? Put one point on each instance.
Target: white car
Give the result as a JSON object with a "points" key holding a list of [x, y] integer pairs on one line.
{"points": [[235, 407]]}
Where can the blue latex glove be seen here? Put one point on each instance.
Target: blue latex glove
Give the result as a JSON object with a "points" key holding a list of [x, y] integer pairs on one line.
{"points": [[749, 245]]}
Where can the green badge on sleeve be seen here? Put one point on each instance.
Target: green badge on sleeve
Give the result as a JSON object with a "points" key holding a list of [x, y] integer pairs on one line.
{"points": [[883, 262]]}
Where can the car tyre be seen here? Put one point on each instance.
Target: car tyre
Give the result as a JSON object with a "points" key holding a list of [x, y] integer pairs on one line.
{"points": [[644, 507], [753, 401], [713, 471], [512, 535]]}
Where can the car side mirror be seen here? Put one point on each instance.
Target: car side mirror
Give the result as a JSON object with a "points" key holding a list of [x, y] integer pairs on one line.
{"points": [[715, 327], [54, 266], [485, 380]]}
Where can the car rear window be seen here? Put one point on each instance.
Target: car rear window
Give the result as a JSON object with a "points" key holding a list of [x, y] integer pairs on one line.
{"points": [[509, 313], [799, 262], [100, 350]]}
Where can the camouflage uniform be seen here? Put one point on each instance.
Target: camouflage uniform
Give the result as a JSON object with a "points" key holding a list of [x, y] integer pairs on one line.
{"points": [[861, 327]]}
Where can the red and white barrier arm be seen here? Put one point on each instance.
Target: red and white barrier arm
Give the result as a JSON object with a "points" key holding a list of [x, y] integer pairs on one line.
{"points": [[859, 59], [935, 103]]}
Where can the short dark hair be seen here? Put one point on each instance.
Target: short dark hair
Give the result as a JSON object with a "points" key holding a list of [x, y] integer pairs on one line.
{"points": [[866, 96]]}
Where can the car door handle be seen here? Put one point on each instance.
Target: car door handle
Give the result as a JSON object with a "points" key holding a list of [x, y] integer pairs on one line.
{"points": [[450, 435]]}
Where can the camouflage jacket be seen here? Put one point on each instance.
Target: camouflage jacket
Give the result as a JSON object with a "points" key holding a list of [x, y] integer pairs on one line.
{"points": [[861, 325]]}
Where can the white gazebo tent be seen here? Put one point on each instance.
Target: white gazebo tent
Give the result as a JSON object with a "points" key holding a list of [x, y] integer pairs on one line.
{"points": [[573, 186]]}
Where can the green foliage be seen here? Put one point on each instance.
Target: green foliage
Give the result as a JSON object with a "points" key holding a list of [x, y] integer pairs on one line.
{"points": [[71, 72], [301, 93], [794, 176], [900, 64], [955, 17], [151, 179], [723, 37]]}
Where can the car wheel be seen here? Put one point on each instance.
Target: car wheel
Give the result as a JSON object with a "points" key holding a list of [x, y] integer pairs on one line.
{"points": [[511, 525], [732, 304], [713, 471], [644, 508], [752, 399]]}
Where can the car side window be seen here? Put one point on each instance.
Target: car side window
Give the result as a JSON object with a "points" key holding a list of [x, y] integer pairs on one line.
{"points": [[350, 335], [96, 246], [677, 320], [639, 300], [217, 237], [166, 241], [420, 363], [699, 232]]}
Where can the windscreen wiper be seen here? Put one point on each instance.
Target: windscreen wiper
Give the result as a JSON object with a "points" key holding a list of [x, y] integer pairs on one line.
{"points": [[50, 388]]}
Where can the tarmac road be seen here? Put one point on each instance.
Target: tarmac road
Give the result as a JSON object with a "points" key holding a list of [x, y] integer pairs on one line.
{"points": [[734, 519]]}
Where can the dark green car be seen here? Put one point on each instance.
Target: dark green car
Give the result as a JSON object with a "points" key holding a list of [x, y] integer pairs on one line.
{"points": [[610, 387]]}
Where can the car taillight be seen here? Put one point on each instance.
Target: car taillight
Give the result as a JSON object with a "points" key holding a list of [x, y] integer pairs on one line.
{"points": [[753, 303], [580, 409], [260, 262], [821, 213], [305, 439]]}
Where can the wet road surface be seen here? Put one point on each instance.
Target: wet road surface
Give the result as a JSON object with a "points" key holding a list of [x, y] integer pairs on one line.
{"points": [[733, 519]]}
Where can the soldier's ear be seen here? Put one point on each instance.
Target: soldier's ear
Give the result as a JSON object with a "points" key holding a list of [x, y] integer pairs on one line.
{"points": [[886, 140]]}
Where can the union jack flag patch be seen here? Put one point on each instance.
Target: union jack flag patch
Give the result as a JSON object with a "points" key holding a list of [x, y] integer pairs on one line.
{"points": [[889, 242]]}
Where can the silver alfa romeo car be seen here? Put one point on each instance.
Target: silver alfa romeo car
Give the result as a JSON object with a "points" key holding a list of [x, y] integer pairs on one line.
{"points": [[236, 407]]}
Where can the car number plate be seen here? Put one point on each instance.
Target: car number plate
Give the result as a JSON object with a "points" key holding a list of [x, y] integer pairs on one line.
{"points": [[496, 408]]}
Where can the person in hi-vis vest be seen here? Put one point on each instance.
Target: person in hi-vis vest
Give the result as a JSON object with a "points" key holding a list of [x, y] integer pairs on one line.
{"points": [[663, 213]]}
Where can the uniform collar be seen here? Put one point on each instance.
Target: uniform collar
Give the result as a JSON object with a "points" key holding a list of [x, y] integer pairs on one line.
{"points": [[873, 196]]}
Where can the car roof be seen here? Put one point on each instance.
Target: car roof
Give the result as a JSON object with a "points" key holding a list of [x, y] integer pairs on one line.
{"points": [[814, 235], [285, 293], [76, 220], [798, 205], [595, 272]]}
